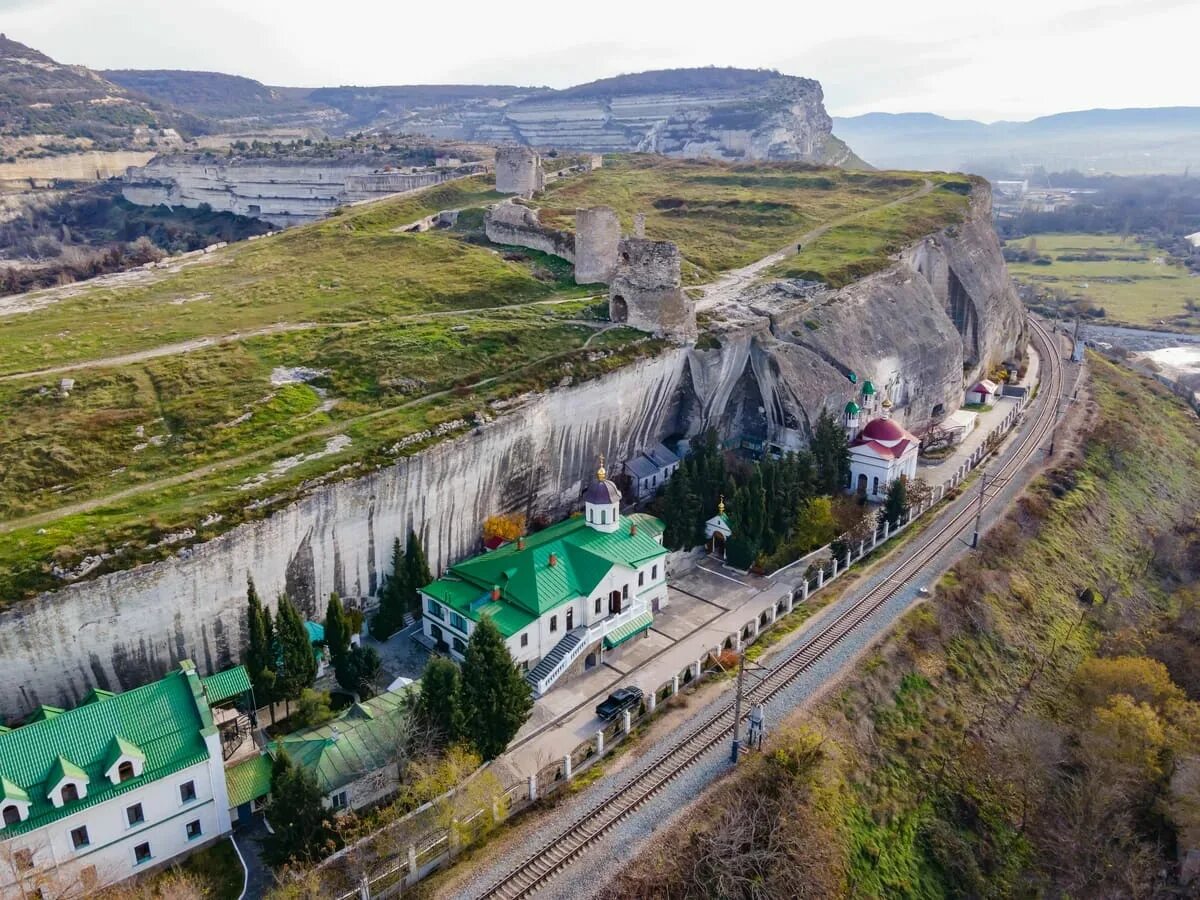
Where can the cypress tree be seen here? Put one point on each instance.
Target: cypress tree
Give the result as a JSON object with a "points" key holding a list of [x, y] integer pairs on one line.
{"points": [[831, 453], [496, 699], [896, 504], [416, 572], [260, 665], [440, 703], [297, 663], [337, 629], [392, 598], [358, 669]]}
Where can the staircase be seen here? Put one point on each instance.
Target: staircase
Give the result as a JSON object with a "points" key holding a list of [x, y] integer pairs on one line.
{"points": [[554, 663]]}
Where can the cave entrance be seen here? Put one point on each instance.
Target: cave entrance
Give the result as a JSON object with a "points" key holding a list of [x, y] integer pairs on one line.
{"points": [[618, 309]]}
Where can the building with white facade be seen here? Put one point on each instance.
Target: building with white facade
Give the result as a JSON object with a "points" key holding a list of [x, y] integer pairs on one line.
{"points": [[983, 392], [881, 453], [119, 785], [562, 597]]}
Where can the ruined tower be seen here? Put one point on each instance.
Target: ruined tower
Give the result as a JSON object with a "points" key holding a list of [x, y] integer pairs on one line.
{"points": [[646, 290], [597, 237], [519, 171]]}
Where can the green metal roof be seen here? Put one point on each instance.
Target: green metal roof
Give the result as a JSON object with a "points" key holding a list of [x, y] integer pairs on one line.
{"points": [[248, 780], [166, 720], [9, 791], [633, 627], [529, 585], [316, 631], [223, 685], [46, 712], [853, 408], [360, 740], [95, 695], [868, 389], [652, 525], [119, 747]]}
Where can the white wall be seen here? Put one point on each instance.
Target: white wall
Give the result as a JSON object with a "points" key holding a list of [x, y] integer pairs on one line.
{"points": [[112, 840]]}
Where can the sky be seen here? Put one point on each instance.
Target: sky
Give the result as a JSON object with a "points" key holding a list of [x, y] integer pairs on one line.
{"points": [[959, 58]]}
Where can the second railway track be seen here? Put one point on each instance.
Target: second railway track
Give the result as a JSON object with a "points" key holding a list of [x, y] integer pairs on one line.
{"points": [[592, 824]]}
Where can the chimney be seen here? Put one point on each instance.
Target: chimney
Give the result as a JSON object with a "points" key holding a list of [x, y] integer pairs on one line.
{"points": [[495, 592], [521, 542], [632, 529], [553, 561], [334, 734]]}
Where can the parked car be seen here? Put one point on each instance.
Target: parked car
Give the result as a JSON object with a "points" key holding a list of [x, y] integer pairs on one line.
{"points": [[619, 701]]}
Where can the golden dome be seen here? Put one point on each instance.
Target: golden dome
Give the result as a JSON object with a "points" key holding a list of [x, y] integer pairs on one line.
{"points": [[600, 473], [721, 506]]}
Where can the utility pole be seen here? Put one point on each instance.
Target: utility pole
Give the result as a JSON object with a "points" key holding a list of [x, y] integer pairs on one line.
{"points": [[737, 708], [979, 510]]}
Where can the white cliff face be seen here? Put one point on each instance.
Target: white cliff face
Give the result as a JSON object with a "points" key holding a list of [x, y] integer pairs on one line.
{"points": [[772, 374]]}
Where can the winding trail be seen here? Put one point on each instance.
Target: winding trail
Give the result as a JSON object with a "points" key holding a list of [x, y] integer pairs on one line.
{"points": [[731, 283]]}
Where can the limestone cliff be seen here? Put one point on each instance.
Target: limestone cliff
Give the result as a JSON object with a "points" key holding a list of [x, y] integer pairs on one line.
{"points": [[938, 315]]}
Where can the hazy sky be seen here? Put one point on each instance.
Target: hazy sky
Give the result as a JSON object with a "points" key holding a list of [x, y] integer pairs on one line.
{"points": [[962, 58]]}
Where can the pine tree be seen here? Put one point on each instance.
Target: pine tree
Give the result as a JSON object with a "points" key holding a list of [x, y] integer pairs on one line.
{"points": [[440, 703], [392, 598], [896, 504], [260, 664], [337, 629], [831, 454], [297, 663], [416, 573], [496, 699], [303, 828]]}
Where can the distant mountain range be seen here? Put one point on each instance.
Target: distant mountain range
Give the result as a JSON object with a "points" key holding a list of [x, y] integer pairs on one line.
{"points": [[1120, 141]]}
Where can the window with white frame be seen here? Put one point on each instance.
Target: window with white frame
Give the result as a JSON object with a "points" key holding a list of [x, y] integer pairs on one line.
{"points": [[135, 815], [194, 830], [141, 853], [187, 792], [79, 837]]}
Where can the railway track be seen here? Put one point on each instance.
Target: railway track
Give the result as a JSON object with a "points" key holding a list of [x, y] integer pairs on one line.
{"points": [[593, 823]]}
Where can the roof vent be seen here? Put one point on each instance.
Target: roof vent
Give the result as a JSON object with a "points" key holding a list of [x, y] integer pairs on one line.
{"points": [[495, 592], [334, 734], [632, 529], [521, 543], [553, 560]]}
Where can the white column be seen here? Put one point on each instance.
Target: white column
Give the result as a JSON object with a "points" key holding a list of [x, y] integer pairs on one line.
{"points": [[600, 742], [532, 787], [625, 717], [674, 684], [651, 702], [834, 573], [820, 577], [413, 872], [567, 767], [804, 591]]}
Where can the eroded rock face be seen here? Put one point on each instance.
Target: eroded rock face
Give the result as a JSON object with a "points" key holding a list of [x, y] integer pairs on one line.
{"points": [[783, 355]]}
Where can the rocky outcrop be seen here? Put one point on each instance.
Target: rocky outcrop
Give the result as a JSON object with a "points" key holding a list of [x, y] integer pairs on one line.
{"points": [[281, 191], [938, 315], [716, 113]]}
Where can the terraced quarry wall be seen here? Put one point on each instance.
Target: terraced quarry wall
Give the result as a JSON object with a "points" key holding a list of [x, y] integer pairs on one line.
{"points": [[770, 364]]}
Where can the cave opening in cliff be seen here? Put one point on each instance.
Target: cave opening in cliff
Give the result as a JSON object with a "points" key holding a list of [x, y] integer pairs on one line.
{"points": [[962, 313], [618, 310]]}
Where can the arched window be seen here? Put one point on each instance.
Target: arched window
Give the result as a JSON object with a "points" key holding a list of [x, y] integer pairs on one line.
{"points": [[125, 771], [12, 815], [604, 517], [70, 793]]}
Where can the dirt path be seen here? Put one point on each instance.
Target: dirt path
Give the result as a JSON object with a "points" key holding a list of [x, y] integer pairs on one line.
{"points": [[203, 343], [729, 285]]}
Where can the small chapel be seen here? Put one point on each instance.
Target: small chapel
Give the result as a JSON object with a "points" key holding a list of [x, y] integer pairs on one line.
{"points": [[881, 451]]}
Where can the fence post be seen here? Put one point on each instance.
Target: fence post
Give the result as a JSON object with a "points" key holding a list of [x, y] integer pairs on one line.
{"points": [[532, 788], [600, 742], [413, 872], [699, 667], [625, 721], [651, 702], [848, 560], [833, 574], [887, 529], [791, 601], [364, 888], [862, 549], [820, 577], [567, 767], [674, 684], [804, 590]]}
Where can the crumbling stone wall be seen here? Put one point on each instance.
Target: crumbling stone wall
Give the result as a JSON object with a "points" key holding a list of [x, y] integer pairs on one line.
{"points": [[512, 223], [646, 289], [519, 171], [597, 237]]}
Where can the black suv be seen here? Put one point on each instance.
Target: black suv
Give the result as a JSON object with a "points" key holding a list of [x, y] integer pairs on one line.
{"points": [[619, 701]]}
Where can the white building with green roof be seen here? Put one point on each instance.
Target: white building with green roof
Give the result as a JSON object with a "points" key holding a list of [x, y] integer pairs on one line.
{"points": [[561, 597], [120, 784]]}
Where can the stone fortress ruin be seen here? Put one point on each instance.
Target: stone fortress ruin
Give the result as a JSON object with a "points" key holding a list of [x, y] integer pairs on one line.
{"points": [[519, 171], [646, 291]]}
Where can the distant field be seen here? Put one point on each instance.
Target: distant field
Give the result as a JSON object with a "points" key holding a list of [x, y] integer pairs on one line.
{"points": [[1135, 285], [402, 332]]}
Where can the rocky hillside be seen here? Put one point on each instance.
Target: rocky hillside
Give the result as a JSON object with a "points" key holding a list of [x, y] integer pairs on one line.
{"points": [[39, 96], [722, 113]]}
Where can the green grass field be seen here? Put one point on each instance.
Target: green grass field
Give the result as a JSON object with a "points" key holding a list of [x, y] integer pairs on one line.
{"points": [[404, 332], [1136, 284]]}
